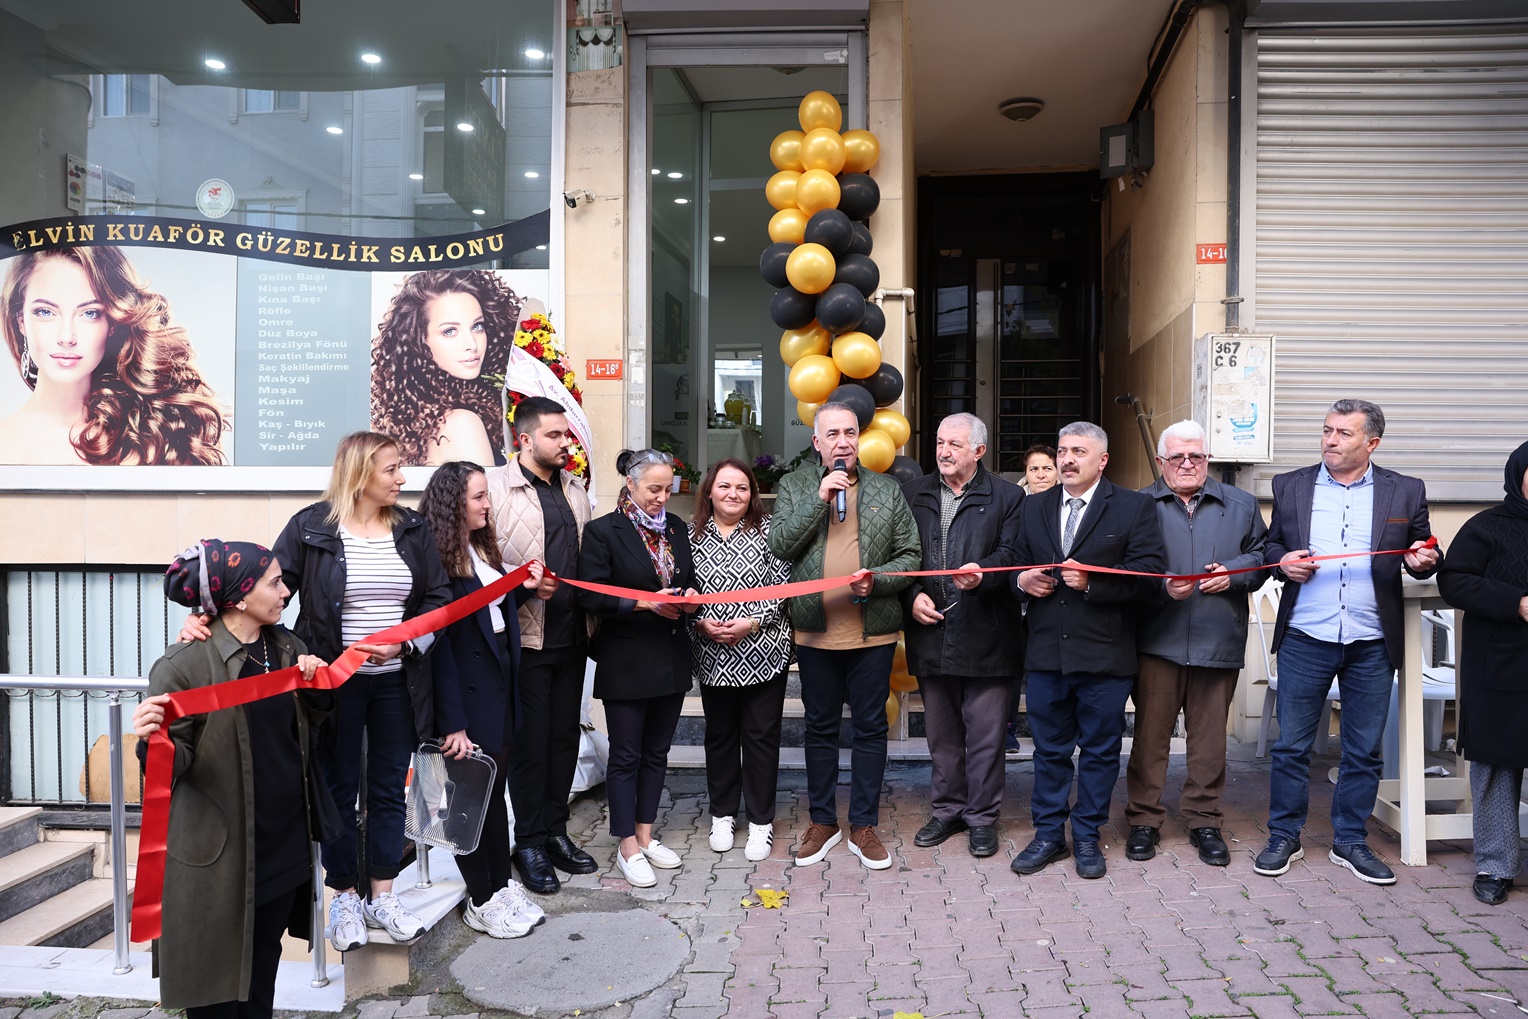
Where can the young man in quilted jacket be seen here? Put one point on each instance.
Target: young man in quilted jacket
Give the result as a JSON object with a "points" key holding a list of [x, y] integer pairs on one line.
{"points": [[845, 637]]}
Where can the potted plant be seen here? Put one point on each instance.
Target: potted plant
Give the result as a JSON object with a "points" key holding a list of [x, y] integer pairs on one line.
{"points": [[685, 476], [769, 469]]}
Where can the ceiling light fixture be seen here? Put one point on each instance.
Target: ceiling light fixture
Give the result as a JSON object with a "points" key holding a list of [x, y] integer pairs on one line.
{"points": [[681, 201], [332, 129], [535, 54], [370, 58], [1021, 109], [416, 176], [214, 63], [675, 175], [718, 238], [656, 171], [541, 247], [532, 174], [480, 212], [464, 126]]}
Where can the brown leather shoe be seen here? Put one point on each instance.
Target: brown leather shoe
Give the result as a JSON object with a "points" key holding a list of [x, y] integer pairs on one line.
{"points": [[866, 844], [816, 842]]}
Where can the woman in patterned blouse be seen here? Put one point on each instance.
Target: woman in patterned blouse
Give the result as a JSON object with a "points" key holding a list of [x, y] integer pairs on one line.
{"points": [[742, 654]]}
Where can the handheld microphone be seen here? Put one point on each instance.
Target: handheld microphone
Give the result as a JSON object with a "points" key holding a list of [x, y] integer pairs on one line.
{"points": [[840, 498]]}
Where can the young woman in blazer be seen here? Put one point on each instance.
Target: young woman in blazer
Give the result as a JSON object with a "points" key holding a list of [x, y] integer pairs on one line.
{"points": [[643, 650]]}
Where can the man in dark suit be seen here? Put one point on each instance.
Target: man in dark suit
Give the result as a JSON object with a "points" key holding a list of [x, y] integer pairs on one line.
{"points": [[1339, 618], [1081, 655]]}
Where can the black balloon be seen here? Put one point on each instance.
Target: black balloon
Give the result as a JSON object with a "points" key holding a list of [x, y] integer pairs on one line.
{"points": [[859, 195], [772, 264], [885, 386], [857, 397], [862, 243], [873, 324], [832, 229], [905, 469], [791, 309], [840, 309], [859, 272]]}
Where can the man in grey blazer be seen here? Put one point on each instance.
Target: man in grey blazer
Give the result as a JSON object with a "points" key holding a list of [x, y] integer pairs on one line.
{"points": [[1339, 618]]}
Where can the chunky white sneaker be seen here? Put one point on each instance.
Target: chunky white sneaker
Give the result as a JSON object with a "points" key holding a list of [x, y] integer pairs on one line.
{"points": [[760, 838], [662, 856], [347, 929], [722, 838], [513, 895], [386, 913], [497, 919], [637, 871]]}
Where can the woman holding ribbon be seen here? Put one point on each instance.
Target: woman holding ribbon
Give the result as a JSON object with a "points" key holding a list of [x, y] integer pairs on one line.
{"points": [[238, 870], [742, 653], [474, 667], [642, 648], [1486, 575]]}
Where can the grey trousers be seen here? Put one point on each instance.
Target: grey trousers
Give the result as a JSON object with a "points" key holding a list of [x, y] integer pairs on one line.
{"points": [[965, 717], [1496, 790]]}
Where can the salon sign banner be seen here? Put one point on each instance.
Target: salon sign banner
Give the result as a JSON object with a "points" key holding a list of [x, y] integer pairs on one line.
{"points": [[295, 247]]}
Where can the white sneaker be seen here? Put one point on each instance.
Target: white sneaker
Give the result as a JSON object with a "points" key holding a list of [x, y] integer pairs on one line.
{"points": [[497, 919], [637, 871], [722, 838], [386, 913], [760, 838], [662, 856], [347, 929], [513, 895]]}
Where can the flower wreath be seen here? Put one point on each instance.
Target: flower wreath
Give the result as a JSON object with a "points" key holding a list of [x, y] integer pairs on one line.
{"points": [[537, 338]]}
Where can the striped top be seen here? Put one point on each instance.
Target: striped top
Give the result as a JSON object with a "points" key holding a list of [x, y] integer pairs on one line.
{"points": [[377, 586]]}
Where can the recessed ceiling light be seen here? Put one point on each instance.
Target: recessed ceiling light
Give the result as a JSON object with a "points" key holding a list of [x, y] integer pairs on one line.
{"points": [[532, 174], [681, 201], [541, 247], [416, 176], [535, 54], [214, 63], [656, 171], [675, 175], [332, 129], [371, 58], [464, 126], [480, 212], [718, 238]]}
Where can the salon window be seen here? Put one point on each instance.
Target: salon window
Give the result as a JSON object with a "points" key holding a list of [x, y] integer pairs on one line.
{"points": [[124, 95], [259, 100]]}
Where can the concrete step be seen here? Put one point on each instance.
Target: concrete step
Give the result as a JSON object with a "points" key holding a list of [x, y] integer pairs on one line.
{"points": [[19, 828], [39, 872], [74, 918]]}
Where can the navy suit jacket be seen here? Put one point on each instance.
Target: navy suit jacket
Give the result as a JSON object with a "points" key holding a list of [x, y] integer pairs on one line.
{"points": [[1091, 632], [475, 686], [1400, 518]]}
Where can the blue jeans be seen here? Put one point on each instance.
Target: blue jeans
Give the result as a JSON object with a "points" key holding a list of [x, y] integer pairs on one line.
{"points": [[1075, 711], [1364, 677], [862, 677], [379, 706]]}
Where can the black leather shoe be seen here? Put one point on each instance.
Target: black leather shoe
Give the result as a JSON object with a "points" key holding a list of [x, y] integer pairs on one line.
{"points": [[936, 831], [564, 854], [1212, 848], [1142, 843], [1090, 860], [536, 871], [1492, 890], [983, 840], [1037, 855]]}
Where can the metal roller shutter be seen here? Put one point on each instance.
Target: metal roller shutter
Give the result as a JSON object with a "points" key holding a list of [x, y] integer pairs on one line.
{"points": [[1391, 243]]}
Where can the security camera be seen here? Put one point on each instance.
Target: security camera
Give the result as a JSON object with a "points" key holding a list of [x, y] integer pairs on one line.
{"points": [[572, 198]]}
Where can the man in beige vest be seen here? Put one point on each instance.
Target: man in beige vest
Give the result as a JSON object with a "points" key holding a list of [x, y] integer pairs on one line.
{"points": [[539, 512]]}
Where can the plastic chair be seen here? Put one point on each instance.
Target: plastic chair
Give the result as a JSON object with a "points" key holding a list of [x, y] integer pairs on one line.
{"points": [[1439, 685], [1265, 610]]}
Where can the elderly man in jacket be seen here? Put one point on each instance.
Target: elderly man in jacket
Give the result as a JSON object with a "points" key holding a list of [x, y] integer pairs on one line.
{"points": [[966, 636], [838, 520], [1192, 644]]}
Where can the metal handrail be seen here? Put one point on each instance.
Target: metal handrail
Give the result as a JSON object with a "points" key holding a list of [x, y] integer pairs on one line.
{"points": [[116, 686]]}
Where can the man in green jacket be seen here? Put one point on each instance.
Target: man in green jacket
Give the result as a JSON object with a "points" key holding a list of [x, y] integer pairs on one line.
{"points": [[845, 637]]}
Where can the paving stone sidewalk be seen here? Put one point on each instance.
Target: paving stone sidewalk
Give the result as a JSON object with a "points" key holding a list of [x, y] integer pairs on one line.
{"points": [[944, 934]]}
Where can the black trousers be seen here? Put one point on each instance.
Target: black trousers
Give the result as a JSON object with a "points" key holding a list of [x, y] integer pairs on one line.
{"points": [[486, 869], [271, 922], [743, 747], [641, 733], [544, 756]]}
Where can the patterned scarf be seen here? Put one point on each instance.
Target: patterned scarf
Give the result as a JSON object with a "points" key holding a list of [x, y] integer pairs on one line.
{"points": [[654, 532]]}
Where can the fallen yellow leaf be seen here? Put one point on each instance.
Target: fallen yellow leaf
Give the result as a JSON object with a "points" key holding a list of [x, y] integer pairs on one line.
{"points": [[908, 1015], [748, 903], [770, 898]]}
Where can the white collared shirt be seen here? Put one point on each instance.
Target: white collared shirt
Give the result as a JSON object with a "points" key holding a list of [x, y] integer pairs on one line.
{"points": [[1087, 501]]}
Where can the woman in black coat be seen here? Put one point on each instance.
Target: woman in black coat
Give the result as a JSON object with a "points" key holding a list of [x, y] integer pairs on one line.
{"points": [[1486, 575], [643, 651], [476, 703]]}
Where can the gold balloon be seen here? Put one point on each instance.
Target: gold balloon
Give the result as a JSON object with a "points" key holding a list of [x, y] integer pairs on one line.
{"points": [[813, 378], [810, 268], [789, 225], [815, 191], [901, 682], [785, 151], [875, 449], [857, 355], [820, 109], [893, 424], [893, 709], [822, 149], [781, 189], [798, 343], [807, 412], [899, 657], [861, 150]]}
